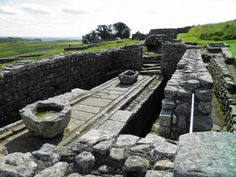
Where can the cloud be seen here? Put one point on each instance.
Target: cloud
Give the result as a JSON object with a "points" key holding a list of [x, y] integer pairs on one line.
{"points": [[6, 12], [153, 12], [74, 11], [36, 9]]}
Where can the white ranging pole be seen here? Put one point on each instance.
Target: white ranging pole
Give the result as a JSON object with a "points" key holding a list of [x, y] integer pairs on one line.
{"points": [[192, 113]]}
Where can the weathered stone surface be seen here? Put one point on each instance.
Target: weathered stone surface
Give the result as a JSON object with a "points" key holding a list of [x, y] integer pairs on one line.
{"points": [[17, 165], [85, 161], [136, 164], [94, 136], [142, 149], [165, 117], [45, 153], [164, 150], [117, 154], [122, 116], [170, 91], [206, 81], [205, 107], [203, 94], [202, 123], [103, 147], [191, 84], [47, 127], [151, 139], [164, 165], [126, 140], [206, 154], [168, 104], [58, 170], [154, 173], [3, 150], [112, 126], [74, 175]]}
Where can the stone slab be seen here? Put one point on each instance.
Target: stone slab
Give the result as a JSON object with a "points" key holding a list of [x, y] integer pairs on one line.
{"points": [[121, 116], [112, 126], [98, 102], [107, 95], [86, 108], [205, 154], [80, 115]]}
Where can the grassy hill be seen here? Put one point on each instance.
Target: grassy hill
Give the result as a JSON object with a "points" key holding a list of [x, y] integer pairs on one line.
{"points": [[212, 33], [217, 32], [13, 47]]}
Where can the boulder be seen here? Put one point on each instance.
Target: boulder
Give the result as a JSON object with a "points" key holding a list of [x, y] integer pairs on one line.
{"points": [[17, 165], [58, 170], [85, 161], [136, 164]]}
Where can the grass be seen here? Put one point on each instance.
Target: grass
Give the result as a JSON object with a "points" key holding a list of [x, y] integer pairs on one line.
{"points": [[189, 37], [13, 47], [217, 32]]}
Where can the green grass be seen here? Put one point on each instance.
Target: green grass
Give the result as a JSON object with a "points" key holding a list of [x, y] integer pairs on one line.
{"points": [[188, 37], [216, 32], [16, 47]]}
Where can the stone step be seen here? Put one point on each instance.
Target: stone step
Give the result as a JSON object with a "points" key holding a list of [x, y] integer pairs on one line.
{"points": [[150, 65], [151, 62], [152, 68], [150, 72]]}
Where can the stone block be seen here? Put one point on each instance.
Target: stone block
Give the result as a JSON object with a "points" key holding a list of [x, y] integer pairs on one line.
{"points": [[206, 154], [165, 117], [168, 103]]}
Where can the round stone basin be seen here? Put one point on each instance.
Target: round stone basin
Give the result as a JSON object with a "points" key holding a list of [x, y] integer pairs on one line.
{"points": [[46, 119], [128, 77]]}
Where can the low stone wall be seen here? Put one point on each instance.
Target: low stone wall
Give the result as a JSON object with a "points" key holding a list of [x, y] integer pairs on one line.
{"points": [[26, 83], [190, 77], [225, 90], [171, 54]]}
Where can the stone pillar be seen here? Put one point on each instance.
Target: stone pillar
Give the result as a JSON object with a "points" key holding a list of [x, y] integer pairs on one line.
{"points": [[190, 77]]}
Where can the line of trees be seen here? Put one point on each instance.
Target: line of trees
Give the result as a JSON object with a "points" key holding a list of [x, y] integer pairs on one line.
{"points": [[107, 32]]}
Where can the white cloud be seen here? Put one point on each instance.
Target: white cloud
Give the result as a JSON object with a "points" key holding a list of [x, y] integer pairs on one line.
{"points": [[78, 17]]}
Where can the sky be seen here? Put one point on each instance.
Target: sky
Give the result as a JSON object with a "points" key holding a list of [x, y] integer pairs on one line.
{"points": [[74, 18]]}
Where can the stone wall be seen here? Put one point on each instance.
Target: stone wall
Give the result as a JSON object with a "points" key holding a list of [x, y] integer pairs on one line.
{"points": [[26, 83], [225, 90], [190, 77], [171, 54], [171, 33]]}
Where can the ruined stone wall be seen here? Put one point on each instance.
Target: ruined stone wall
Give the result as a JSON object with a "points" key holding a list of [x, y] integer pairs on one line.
{"points": [[225, 90], [26, 83], [190, 77], [171, 33], [171, 54]]}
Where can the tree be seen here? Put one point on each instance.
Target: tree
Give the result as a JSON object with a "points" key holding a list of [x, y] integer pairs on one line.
{"points": [[91, 37], [121, 30], [105, 32]]}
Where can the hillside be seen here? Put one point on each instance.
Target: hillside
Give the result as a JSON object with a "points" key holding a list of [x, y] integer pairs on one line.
{"points": [[217, 32], [212, 33]]}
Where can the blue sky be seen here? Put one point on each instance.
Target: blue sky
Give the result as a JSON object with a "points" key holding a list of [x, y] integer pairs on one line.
{"points": [[55, 18]]}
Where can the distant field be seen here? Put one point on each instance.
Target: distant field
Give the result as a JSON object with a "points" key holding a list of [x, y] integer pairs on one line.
{"points": [[14, 47]]}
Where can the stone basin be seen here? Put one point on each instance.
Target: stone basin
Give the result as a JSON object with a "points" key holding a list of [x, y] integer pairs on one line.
{"points": [[128, 77], [46, 119]]}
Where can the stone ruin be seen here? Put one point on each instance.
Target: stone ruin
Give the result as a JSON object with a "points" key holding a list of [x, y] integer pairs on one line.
{"points": [[109, 130]]}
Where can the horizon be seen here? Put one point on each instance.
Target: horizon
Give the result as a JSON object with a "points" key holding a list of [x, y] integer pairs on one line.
{"points": [[59, 19]]}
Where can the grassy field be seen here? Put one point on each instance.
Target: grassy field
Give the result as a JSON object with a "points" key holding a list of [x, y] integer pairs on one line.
{"points": [[188, 37], [13, 47]]}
